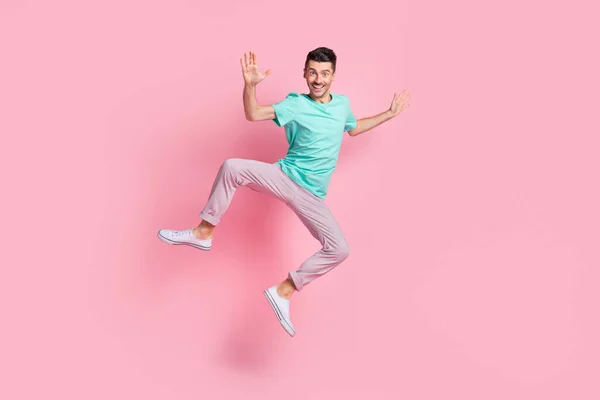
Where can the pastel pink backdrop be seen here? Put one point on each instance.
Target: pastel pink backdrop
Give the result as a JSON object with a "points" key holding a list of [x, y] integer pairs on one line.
{"points": [[472, 218]]}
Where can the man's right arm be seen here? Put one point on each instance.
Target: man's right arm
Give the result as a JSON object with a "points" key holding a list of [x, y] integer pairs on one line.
{"points": [[253, 110], [252, 77]]}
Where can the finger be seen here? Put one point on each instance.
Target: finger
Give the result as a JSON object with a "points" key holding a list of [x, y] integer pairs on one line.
{"points": [[242, 62], [246, 57], [254, 59], [268, 72]]}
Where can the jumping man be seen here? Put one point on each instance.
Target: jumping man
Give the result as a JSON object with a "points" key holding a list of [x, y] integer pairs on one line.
{"points": [[314, 124]]}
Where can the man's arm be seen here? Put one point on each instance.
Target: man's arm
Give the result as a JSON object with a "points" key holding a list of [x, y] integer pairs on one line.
{"points": [[399, 103], [253, 110], [252, 77], [366, 124]]}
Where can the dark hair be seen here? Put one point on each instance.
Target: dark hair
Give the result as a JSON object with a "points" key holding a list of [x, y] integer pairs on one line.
{"points": [[321, 54]]}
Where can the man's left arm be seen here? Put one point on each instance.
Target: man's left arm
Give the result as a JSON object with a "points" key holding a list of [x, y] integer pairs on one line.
{"points": [[399, 103]]}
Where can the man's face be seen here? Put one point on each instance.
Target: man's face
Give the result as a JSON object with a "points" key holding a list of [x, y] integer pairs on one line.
{"points": [[319, 76]]}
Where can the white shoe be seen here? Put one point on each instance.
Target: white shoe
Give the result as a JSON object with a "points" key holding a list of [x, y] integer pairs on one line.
{"points": [[184, 237], [281, 307]]}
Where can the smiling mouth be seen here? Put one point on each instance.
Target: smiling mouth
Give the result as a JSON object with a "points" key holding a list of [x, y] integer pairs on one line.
{"points": [[318, 87]]}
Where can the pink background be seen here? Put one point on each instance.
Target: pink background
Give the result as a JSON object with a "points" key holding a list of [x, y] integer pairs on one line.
{"points": [[473, 217]]}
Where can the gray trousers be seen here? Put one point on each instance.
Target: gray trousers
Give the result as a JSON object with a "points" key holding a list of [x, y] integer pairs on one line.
{"points": [[312, 211]]}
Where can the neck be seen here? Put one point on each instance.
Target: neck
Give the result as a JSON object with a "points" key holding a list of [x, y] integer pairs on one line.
{"points": [[322, 98]]}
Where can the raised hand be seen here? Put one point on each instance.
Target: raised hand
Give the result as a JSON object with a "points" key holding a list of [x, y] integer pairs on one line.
{"points": [[252, 75], [400, 102]]}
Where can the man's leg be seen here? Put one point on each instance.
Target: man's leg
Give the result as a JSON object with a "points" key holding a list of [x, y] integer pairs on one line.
{"points": [[257, 175], [317, 217]]}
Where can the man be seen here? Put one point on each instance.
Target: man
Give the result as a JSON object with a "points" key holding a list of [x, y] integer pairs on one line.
{"points": [[314, 124]]}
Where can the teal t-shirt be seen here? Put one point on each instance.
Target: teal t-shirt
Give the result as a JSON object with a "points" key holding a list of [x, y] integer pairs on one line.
{"points": [[314, 132]]}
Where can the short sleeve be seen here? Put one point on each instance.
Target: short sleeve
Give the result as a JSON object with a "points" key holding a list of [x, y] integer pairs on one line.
{"points": [[350, 120], [285, 110]]}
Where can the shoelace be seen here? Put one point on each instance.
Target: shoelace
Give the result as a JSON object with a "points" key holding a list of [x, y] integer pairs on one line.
{"points": [[186, 232]]}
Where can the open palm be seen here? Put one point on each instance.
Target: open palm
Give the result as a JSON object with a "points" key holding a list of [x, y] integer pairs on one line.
{"points": [[400, 102], [252, 75]]}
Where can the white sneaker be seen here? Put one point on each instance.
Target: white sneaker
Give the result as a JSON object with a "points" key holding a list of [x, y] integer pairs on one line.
{"points": [[281, 307], [184, 237]]}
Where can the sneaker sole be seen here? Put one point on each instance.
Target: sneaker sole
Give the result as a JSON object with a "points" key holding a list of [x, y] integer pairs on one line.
{"points": [[279, 315], [169, 241]]}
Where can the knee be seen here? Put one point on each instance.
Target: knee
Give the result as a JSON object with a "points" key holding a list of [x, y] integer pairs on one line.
{"points": [[231, 166], [342, 251]]}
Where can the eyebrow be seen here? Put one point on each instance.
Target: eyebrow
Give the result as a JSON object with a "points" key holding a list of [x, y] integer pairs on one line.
{"points": [[312, 69]]}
